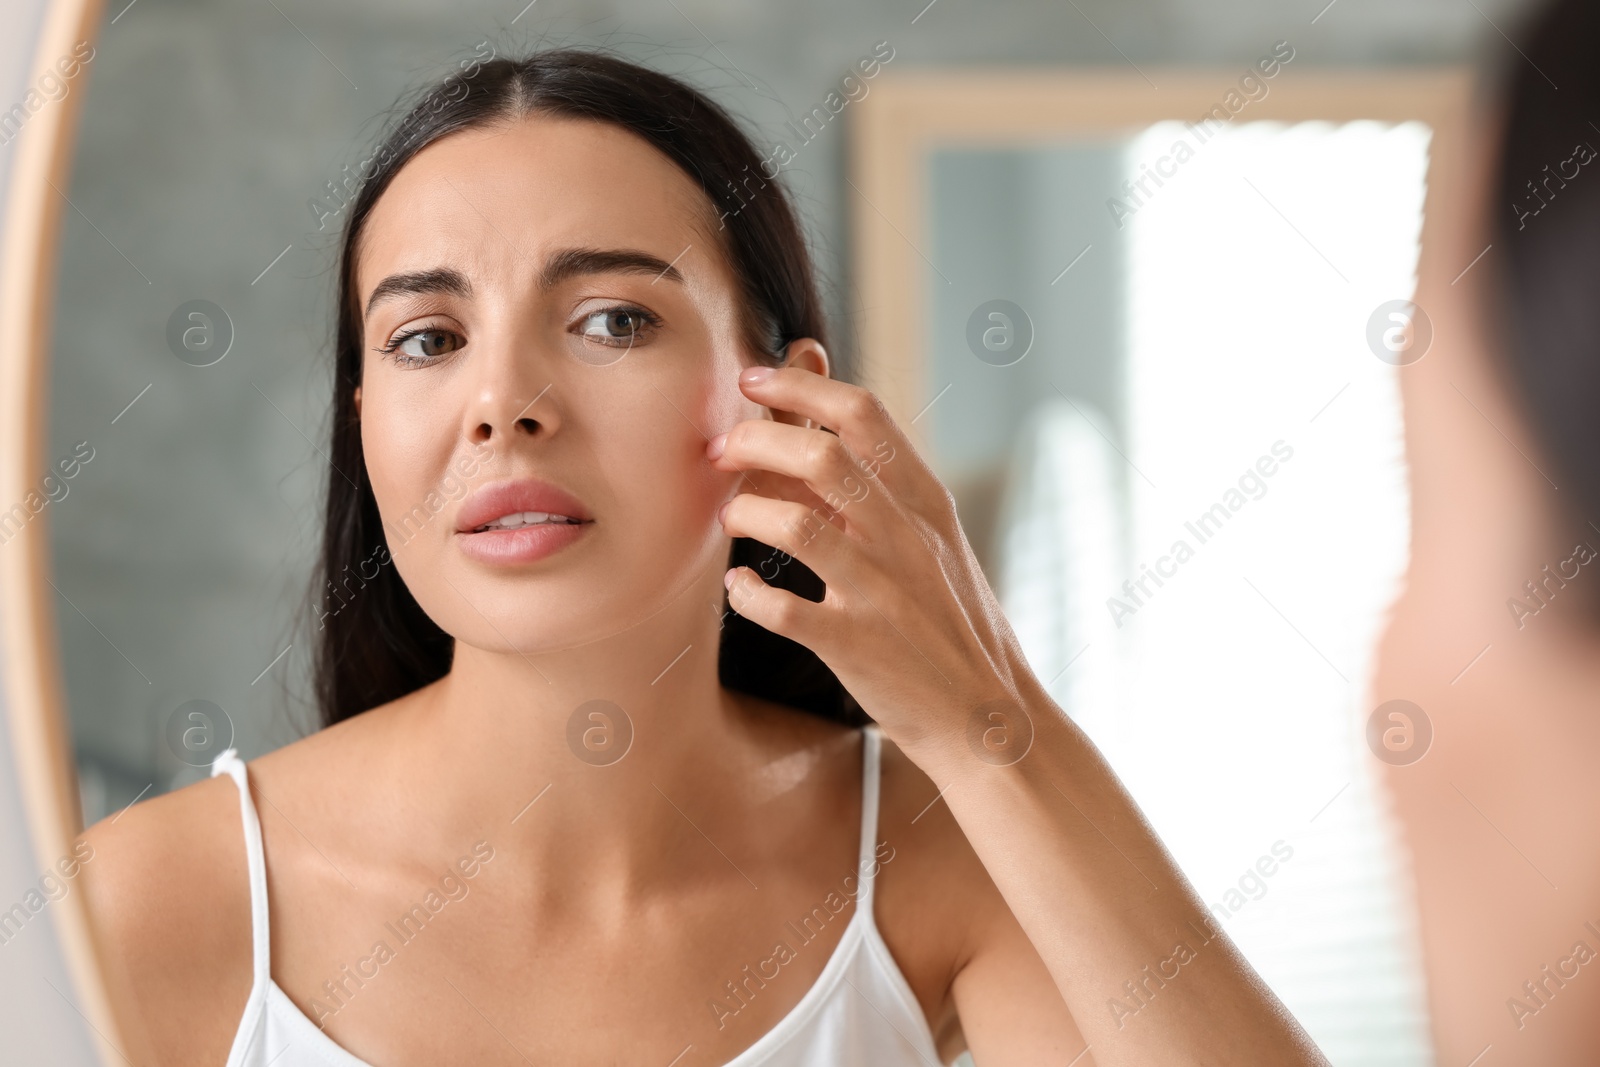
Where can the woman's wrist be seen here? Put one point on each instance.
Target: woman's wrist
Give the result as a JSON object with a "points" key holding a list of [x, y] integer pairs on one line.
{"points": [[996, 726]]}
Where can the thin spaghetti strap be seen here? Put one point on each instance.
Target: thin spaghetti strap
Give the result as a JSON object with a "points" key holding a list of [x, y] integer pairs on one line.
{"points": [[871, 774], [230, 763]]}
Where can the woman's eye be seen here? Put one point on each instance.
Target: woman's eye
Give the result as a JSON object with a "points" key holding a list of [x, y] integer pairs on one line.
{"points": [[422, 346], [618, 327]]}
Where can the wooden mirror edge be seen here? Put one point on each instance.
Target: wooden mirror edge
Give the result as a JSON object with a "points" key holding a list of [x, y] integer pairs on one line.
{"points": [[41, 734], [912, 112]]}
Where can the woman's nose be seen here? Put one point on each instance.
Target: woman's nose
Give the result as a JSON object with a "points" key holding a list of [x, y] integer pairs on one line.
{"points": [[511, 395], [496, 429]]}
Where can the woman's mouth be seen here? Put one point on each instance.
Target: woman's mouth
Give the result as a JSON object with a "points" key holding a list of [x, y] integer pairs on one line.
{"points": [[518, 519], [524, 542], [519, 522]]}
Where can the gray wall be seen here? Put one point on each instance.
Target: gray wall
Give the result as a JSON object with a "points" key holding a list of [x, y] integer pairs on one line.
{"points": [[184, 545]]}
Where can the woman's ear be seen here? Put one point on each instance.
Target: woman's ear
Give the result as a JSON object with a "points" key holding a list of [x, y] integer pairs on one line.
{"points": [[806, 354], [358, 401]]}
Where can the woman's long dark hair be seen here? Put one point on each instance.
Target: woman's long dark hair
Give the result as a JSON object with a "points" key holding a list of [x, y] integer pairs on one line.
{"points": [[1546, 210], [374, 642]]}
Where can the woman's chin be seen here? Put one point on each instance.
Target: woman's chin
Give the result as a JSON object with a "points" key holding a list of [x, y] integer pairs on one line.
{"points": [[547, 622]]}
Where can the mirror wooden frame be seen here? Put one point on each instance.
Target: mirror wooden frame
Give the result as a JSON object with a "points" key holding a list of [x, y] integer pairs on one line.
{"points": [[910, 114], [41, 736]]}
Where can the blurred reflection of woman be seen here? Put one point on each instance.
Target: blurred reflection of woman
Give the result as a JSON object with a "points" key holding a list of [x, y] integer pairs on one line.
{"points": [[1496, 639], [567, 807]]}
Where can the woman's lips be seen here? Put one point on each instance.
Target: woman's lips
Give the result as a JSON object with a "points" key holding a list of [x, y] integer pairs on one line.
{"points": [[525, 544], [519, 544]]}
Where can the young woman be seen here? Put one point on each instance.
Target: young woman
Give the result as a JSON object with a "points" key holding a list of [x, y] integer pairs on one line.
{"points": [[586, 794]]}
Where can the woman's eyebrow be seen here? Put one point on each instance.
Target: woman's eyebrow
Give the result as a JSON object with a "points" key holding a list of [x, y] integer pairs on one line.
{"points": [[438, 280], [573, 262], [562, 265]]}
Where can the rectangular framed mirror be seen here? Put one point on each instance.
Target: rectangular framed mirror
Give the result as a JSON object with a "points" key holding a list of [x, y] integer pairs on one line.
{"points": [[1150, 326]]}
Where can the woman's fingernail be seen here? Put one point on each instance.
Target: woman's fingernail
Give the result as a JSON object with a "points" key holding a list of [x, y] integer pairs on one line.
{"points": [[722, 512], [727, 579], [757, 375], [715, 446]]}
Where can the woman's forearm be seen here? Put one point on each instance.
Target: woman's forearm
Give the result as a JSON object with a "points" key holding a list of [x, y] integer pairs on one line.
{"points": [[913, 630], [1148, 976]]}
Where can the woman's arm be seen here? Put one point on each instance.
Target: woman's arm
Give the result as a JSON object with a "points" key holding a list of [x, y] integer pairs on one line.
{"points": [[942, 915], [914, 632]]}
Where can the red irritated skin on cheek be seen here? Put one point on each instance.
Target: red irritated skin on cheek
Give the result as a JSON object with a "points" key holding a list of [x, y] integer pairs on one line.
{"points": [[523, 521]]}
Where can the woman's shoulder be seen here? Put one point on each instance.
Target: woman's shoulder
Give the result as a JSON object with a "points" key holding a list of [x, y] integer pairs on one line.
{"points": [[919, 843], [916, 825], [167, 888], [180, 860]]}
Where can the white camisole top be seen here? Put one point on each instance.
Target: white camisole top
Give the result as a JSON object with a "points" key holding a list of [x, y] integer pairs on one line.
{"points": [[861, 1009]]}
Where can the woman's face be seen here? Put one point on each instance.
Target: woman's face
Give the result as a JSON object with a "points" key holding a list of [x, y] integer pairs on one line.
{"points": [[550, 334]]}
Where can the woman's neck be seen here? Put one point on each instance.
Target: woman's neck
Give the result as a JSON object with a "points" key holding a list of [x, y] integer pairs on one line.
{"points": [[594, 756]]}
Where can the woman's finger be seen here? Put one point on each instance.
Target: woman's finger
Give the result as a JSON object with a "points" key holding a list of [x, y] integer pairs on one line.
{"points": [[854, 413], [784, 613], [859, 418], [819, 460], [809, 534]]}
